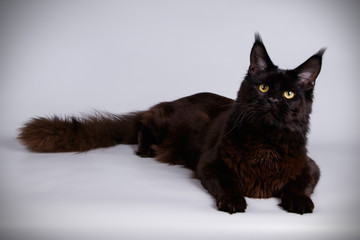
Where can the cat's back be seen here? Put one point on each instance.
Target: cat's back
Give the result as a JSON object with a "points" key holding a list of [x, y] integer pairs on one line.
{"points": [[186, 115], [205, 103], [206, 100], [188, 109]]}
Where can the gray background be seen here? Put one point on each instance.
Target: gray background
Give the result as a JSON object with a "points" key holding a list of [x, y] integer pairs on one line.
{"points": [[71, 57]]}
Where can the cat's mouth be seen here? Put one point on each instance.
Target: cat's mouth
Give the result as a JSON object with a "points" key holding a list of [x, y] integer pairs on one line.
{"points": [[270, 117]]}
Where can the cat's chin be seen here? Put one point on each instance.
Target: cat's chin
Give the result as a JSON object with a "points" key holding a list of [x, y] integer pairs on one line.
{"points": [[269, 119]]}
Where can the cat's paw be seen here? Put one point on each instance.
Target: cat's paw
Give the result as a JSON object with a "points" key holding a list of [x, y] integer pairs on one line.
{"points": [[297, 204], [231, 204], [145, 152]]}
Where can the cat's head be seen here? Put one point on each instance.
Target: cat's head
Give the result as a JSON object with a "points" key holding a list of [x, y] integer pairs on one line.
{"points": [[275, 97]]}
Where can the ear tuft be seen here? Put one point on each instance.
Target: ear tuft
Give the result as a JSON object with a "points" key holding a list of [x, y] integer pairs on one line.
{"points": [[321, 52], [309, 70], [259, 58], [258, 37]]}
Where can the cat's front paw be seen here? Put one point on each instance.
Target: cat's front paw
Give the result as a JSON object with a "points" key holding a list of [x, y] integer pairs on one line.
{"points": [[231, 204], [297, 204]]}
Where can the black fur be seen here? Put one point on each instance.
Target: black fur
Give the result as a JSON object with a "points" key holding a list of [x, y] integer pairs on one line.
{"points": [[254, 146]]}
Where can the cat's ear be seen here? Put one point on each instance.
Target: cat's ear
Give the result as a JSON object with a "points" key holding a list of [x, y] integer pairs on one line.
{"points": [[309, 70], [259, 58]]}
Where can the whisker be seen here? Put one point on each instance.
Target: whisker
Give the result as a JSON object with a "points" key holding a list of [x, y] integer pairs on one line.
{"points": [[246, 114]]}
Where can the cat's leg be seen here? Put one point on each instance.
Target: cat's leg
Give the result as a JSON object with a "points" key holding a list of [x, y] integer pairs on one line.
{"points": [[222, 184], [295, 196], [145, 142], [153, 126]]}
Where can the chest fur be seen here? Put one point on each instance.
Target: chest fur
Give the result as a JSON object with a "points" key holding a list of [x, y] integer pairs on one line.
{"points": [[262, 170]]}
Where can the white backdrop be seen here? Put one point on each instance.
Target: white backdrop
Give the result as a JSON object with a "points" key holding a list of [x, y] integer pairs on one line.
{"points": [[70, 57]]}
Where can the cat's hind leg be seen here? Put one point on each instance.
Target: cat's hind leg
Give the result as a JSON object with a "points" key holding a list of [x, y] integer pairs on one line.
{"points": [[146, 141], [152, 131]]}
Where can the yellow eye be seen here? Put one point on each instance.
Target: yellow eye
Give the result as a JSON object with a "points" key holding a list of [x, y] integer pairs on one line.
{"points": [[289, 94], [263, 88]]}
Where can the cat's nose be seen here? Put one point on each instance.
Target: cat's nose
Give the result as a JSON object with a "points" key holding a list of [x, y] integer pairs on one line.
{"points": [[273, 100]]}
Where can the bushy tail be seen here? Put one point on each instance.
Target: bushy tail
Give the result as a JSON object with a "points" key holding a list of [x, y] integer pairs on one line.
{"points": [[74, 134]]}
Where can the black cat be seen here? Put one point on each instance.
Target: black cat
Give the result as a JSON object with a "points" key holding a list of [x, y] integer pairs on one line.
{"points": [[252, 147]]}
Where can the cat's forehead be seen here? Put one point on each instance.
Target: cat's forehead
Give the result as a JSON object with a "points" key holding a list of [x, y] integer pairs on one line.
{"points": [[279, 78]]}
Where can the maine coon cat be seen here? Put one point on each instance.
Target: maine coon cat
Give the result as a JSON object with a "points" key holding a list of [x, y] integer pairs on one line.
{"points": [[254, 146]]}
